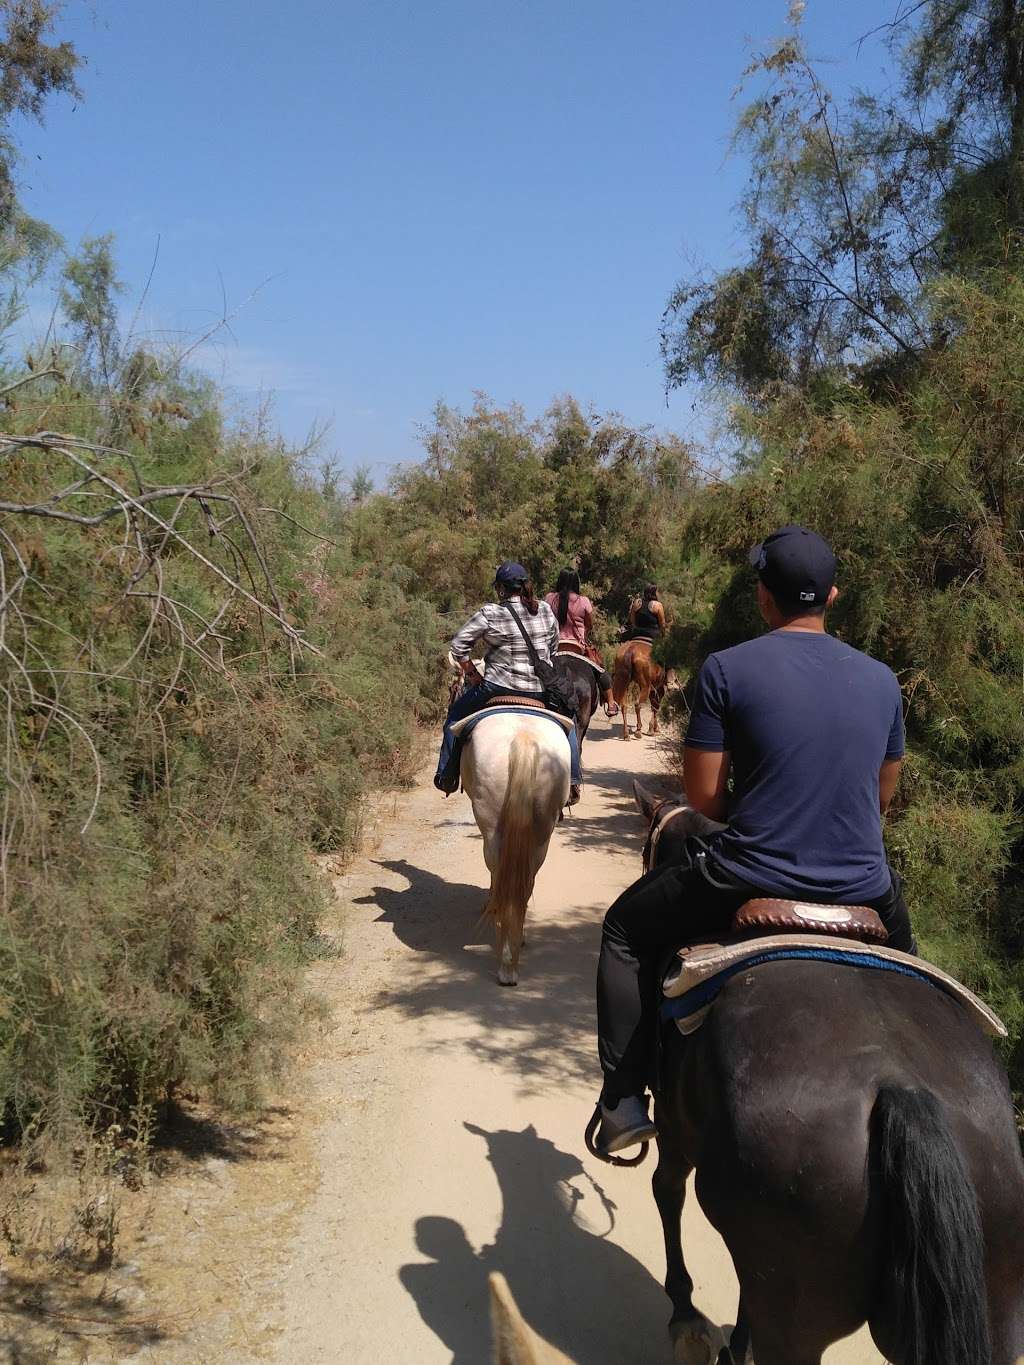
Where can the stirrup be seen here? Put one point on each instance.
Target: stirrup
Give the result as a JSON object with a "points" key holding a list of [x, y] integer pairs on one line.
{"points": [[610, 1157]]}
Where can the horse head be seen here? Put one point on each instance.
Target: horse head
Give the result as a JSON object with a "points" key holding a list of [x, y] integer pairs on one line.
{"points": [[670, 823]]}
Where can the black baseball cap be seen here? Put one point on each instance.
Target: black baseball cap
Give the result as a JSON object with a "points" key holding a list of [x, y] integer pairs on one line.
{"points": [[510, 572], [796, 565]]}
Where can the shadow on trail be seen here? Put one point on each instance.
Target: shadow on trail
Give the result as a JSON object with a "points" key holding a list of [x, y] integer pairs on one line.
{"points": [[430, 914], [542, 1030], [619, 827], [579, 1290]]}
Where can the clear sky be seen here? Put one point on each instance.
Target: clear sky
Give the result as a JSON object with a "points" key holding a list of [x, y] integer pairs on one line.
{"points": [[445, 195]]}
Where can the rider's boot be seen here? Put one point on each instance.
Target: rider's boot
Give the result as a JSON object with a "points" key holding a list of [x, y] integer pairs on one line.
{"points": [[447, 779], [611, 706], [624, 1124], [575, 792]]}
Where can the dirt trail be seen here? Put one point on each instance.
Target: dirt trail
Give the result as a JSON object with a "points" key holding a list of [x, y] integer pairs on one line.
{"points": [[452, 1110]]}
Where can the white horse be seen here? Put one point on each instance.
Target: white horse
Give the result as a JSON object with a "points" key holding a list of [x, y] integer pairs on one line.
{"points": [[515, 769]]}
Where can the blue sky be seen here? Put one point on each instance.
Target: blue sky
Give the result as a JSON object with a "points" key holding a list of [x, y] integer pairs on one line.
{"points": [[443, 196]]}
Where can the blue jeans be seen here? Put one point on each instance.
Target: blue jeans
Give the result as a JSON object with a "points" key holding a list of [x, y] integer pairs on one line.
{"points": [[475, 699]]}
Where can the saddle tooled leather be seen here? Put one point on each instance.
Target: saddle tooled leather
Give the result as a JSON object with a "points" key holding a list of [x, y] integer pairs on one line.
{"points": [[773, 916], [516, 701]]}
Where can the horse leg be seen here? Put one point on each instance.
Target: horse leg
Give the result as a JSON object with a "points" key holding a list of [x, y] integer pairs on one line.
{"points": [[695, 1341], [645, 696], [655, 706], [739, 1341]]}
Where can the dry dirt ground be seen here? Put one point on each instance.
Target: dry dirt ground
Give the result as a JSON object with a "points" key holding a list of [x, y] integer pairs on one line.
{"points": [[434, 1133]]}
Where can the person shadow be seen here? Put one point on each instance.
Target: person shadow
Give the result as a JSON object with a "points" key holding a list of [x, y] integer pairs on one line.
{"points": [[578, 1289]]}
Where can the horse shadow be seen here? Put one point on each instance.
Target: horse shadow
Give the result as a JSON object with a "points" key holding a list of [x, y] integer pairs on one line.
{"points": [[577, 1288], [430, 915], [550, 1014]]}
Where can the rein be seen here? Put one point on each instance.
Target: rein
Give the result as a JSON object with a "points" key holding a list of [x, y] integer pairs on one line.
{"points": [[658, 826]]}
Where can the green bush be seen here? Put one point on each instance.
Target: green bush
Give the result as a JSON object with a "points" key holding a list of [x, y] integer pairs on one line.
{"points": [[174, 756], [922, 495]]}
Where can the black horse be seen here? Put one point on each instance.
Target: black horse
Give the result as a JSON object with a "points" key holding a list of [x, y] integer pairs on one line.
{"points": [[855, 1145], [582, 679]]}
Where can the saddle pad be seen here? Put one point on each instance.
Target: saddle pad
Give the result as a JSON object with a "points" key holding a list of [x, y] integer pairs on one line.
{"points": [[571, 654], [704, 968], [463, 728]]}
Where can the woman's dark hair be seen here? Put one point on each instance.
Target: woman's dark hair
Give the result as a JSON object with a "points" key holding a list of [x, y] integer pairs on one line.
{"points": [[650, 592], [568, 582], [522, 587]]}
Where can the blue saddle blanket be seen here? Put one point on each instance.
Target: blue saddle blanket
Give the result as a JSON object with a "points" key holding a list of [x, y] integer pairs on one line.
{"points": [[465, 727]]}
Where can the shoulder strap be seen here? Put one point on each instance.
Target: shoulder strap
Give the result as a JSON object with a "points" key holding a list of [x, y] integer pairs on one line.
{"points": [[534, 657]]}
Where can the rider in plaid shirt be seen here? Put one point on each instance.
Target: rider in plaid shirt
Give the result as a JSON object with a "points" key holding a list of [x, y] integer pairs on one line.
{"points": [[509, 667]]}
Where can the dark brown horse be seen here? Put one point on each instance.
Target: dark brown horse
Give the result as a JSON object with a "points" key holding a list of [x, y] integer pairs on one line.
{"points": [[634, 668], [582, 679], [855, 1145]]}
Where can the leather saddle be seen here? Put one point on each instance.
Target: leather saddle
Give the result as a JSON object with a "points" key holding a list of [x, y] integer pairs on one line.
{"points": [[513, 700], [770, 915]]}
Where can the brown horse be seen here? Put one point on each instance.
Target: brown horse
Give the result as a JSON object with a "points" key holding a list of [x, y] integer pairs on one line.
{"points": [[635, 668]]}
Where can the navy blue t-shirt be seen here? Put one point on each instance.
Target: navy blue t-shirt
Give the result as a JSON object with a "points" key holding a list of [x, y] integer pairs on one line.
{"points": [[808, 721]]}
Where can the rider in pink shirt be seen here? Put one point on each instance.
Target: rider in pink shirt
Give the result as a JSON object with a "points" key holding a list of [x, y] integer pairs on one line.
{"points": [[575, 616]]}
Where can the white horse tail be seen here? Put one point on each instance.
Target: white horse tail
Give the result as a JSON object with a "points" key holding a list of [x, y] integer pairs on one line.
{"points": [[512, 880]]}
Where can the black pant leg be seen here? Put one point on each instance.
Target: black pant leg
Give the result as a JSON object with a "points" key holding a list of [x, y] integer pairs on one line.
{"points": [[652, 916], [892, 911]]}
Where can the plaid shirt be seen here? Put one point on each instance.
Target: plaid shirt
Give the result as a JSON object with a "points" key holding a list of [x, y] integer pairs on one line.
{"points": [[506, 656]]}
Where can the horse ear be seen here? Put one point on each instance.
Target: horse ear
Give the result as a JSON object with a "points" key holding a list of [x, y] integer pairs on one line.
{"points": [[514, 1342], [645, 800]]}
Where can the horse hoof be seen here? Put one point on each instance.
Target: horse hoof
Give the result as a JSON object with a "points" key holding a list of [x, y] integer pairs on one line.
{"points": [[507, 976], [695, 1341]]}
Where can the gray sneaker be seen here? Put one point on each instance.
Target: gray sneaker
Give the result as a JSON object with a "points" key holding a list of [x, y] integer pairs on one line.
{"points": [[624, 1125]]}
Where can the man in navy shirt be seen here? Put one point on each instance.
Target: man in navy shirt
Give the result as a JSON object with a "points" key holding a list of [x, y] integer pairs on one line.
{"points": [[811, 732]]}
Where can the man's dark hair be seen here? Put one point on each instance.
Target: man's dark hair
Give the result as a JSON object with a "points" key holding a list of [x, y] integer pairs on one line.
{"points": [[791, 609]]}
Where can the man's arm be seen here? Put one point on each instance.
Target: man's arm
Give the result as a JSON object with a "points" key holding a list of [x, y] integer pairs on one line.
{"points": [[888, 776], [705, 772]]}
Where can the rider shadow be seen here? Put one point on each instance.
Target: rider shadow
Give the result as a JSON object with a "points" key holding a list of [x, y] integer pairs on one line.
{"points": [[579, 1290]]}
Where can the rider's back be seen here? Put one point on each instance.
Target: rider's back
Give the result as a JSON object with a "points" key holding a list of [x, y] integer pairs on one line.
{"points": [[808, 721]]}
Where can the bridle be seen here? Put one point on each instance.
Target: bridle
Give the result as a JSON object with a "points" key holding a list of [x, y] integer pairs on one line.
{"points": [[658, 823]]}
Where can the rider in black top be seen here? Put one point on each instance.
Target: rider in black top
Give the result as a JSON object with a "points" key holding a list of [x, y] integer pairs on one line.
{"points": [[647, 619]]}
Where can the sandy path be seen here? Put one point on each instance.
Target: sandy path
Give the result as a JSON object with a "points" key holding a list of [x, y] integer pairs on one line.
{"points": [[451, 1142]]}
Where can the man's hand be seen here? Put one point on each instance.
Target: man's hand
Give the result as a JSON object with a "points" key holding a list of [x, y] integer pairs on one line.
{"points": [[705, 772]]}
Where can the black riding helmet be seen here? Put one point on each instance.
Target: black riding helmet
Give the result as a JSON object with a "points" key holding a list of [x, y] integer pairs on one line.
{"points": [[510, 573]]}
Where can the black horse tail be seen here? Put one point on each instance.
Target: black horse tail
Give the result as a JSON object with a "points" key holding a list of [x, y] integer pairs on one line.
{"points": [[934, 1260]]}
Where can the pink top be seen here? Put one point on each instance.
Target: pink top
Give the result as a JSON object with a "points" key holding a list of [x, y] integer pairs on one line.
{"points": [[574, 629]]}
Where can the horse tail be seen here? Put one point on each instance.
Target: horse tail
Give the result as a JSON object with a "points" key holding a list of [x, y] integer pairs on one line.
{"points": [[934, 1261], [512, 881]]}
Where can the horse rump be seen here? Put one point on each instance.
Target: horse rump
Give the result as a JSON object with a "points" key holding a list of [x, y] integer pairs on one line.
{"points": [[932, 1270]]}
